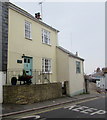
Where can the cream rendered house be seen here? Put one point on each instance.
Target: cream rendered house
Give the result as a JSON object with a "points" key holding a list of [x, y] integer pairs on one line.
{"points": [[31, 45], [70, 68]]}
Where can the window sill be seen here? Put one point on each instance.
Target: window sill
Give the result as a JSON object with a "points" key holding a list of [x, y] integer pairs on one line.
{"points": [[78, 73], [28, 38], [47, 44], [46, 72]]}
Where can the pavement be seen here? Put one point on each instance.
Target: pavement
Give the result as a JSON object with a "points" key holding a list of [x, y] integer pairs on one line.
{"points": [[12, 109]]}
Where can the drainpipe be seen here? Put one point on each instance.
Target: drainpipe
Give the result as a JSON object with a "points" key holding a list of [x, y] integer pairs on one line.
{"points": [[1, 98]]}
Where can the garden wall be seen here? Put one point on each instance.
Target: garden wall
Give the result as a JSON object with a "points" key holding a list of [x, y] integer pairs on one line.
{"points": [[25, 94]]}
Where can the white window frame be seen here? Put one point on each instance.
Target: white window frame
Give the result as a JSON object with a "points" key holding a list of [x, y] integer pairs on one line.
{"points": [[28, 30], [78, 67], [46, 37], [44, 65]]}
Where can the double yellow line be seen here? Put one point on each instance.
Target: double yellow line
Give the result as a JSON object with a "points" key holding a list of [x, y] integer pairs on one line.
{"points": [[51, 109]]}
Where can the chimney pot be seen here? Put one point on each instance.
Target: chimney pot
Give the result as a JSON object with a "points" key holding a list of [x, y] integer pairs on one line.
{"points": [[77, 54], [37, 16]]}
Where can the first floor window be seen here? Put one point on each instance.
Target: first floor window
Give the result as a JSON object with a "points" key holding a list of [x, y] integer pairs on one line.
{"points": [[45, 36], [27, 30], [78, 67], [46, 65]]}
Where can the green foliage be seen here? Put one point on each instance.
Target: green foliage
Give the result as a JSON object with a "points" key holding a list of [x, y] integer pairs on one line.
{"points": [[84, 93]]}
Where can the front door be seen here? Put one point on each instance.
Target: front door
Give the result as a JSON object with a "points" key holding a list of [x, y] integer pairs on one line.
{"points": [[28, 65]]}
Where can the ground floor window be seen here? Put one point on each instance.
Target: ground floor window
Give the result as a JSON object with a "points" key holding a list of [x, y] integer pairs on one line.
{"points": [[46, 65]]}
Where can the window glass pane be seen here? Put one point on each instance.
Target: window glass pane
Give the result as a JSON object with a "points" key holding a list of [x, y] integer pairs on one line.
{"points": [[46, 65], [78, 67], [42, 65], [27, 29], [25, 61], [28, 60], [45, 36]]}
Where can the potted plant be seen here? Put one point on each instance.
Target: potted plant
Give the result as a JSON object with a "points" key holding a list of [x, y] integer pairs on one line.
{"points": [[25, 78], [28, 79], [13, 80]]}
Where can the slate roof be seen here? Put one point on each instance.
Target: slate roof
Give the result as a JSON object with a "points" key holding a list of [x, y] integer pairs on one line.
{"points": [[69, 53], [28, 15]]}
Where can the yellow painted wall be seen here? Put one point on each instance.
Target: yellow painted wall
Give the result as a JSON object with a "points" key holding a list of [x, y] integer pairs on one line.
{"points": [[62, 66], [18, 45]]}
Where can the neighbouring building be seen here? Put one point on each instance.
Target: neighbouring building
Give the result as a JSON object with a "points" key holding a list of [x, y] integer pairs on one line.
{"points": [[30, 44], [70, 68], [3, 43], [0, 54], [99, 78], [102, 82], [106, 41]]}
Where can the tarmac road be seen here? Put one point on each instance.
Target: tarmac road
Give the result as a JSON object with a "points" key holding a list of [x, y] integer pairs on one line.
{"points": [[93, 108], [90, 109]]}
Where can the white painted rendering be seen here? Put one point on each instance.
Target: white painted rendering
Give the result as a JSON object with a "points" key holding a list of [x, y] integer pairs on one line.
{"points": [[76, 80], [0, 111], [106, 81], [102, 83], [66, 71], [3, 78], [106, 34], [1, 91]]}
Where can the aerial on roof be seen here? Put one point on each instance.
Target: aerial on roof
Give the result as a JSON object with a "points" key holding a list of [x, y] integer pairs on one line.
{"points": [[69, 53], [25, 13]]}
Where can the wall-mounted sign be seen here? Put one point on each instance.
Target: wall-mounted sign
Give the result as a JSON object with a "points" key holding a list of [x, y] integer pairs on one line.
{"points": [[19, 61]]}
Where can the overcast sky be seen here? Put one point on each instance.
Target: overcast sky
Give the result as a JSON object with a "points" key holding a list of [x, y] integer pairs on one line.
{"points": [[81, 26]]}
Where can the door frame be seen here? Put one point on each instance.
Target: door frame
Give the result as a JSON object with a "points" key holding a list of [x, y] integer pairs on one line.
{"points": [[31, 58]]}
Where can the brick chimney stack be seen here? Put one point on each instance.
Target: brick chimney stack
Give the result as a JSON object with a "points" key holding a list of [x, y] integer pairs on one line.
{"points": [[77, 54]]}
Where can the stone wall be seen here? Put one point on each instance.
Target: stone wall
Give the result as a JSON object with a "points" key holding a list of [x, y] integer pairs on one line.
{"points": [[25, 94]]}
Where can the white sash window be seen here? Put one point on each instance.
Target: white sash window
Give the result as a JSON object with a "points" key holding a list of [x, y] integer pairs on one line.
{"points": [[45, 37], [27, 30], [46, 65]]}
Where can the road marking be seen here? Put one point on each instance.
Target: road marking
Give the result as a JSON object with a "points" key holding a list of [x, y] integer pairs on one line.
{"points": [[79, 108], [41, 112], [99, 112], [88, 110], [85, 110], [36, 116], [82, 101], [56, 108], [29, 117]]}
